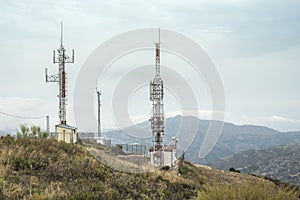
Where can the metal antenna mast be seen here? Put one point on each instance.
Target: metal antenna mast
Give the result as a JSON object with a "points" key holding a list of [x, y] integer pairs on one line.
{"points": [[48, 124], [99, 114], [61, 77], [157, 119]]}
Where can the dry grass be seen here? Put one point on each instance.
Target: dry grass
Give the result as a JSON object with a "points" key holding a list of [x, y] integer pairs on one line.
{"points": [[250, 190], [47, 169]]}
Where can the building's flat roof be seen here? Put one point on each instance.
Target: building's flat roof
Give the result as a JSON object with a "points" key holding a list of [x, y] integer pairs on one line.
{"points": [[66, 126]]}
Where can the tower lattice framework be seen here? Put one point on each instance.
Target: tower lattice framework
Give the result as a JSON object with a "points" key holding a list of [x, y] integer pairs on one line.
{"points": [[61, 78], [157, 119]]}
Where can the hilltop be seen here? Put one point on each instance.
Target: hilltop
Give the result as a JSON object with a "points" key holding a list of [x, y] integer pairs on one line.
{"points": [[47, 169]]}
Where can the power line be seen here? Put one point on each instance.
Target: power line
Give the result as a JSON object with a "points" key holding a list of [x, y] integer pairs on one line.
{"points": [[22, 117]]}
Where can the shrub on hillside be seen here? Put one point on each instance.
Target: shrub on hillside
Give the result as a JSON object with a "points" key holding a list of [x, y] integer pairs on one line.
{"points": [[231, 169]]}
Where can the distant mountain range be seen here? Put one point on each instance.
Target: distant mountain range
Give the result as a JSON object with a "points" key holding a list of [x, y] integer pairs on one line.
{"points": [[233, 138], [280, 162], [249, 148]]}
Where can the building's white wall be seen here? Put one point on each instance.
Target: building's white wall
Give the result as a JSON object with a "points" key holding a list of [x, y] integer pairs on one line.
{"points": [[66, 135], [169, 158], [151, 158]]}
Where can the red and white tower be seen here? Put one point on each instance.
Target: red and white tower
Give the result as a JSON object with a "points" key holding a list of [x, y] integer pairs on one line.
{"points": [[61, 77]]}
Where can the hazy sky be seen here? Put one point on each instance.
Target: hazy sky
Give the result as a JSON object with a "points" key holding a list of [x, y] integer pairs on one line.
{"points": [[255, 46]]}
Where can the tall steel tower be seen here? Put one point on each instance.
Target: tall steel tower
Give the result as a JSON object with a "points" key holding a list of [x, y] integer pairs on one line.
{"points": [[157, 119], [61, 77]]}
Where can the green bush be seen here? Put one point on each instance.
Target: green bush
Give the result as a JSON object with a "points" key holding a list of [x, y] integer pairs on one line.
{"points": [[231, 169], [166, 168], [20, 164], [31, 132], [183, 170]]}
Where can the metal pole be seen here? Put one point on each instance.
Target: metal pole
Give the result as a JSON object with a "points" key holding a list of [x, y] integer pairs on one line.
{"points": [[99, 114], [48, 124]]}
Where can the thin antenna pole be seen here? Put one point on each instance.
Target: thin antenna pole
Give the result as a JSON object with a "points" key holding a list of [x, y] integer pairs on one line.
{"points": [[61, 33], [99, 114], [159, 35], [157, 56], [48, 124]]}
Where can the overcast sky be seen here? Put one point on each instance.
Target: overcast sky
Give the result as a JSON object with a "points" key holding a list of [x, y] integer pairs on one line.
{"points": [[255, 46]]}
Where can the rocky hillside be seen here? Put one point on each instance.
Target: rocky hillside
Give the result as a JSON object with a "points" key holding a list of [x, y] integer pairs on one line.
{"points": [[47, 169], [280, 162]]}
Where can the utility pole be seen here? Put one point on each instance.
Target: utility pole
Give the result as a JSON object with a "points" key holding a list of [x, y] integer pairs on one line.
{"points": [[48, 124], [99, 114]]}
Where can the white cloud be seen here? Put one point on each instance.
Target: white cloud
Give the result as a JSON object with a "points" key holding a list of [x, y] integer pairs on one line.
{"points": [[279, 119]]}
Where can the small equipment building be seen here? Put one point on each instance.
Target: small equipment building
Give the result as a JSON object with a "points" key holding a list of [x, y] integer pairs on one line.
{"points": [[66, 133], [167, 153]]}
